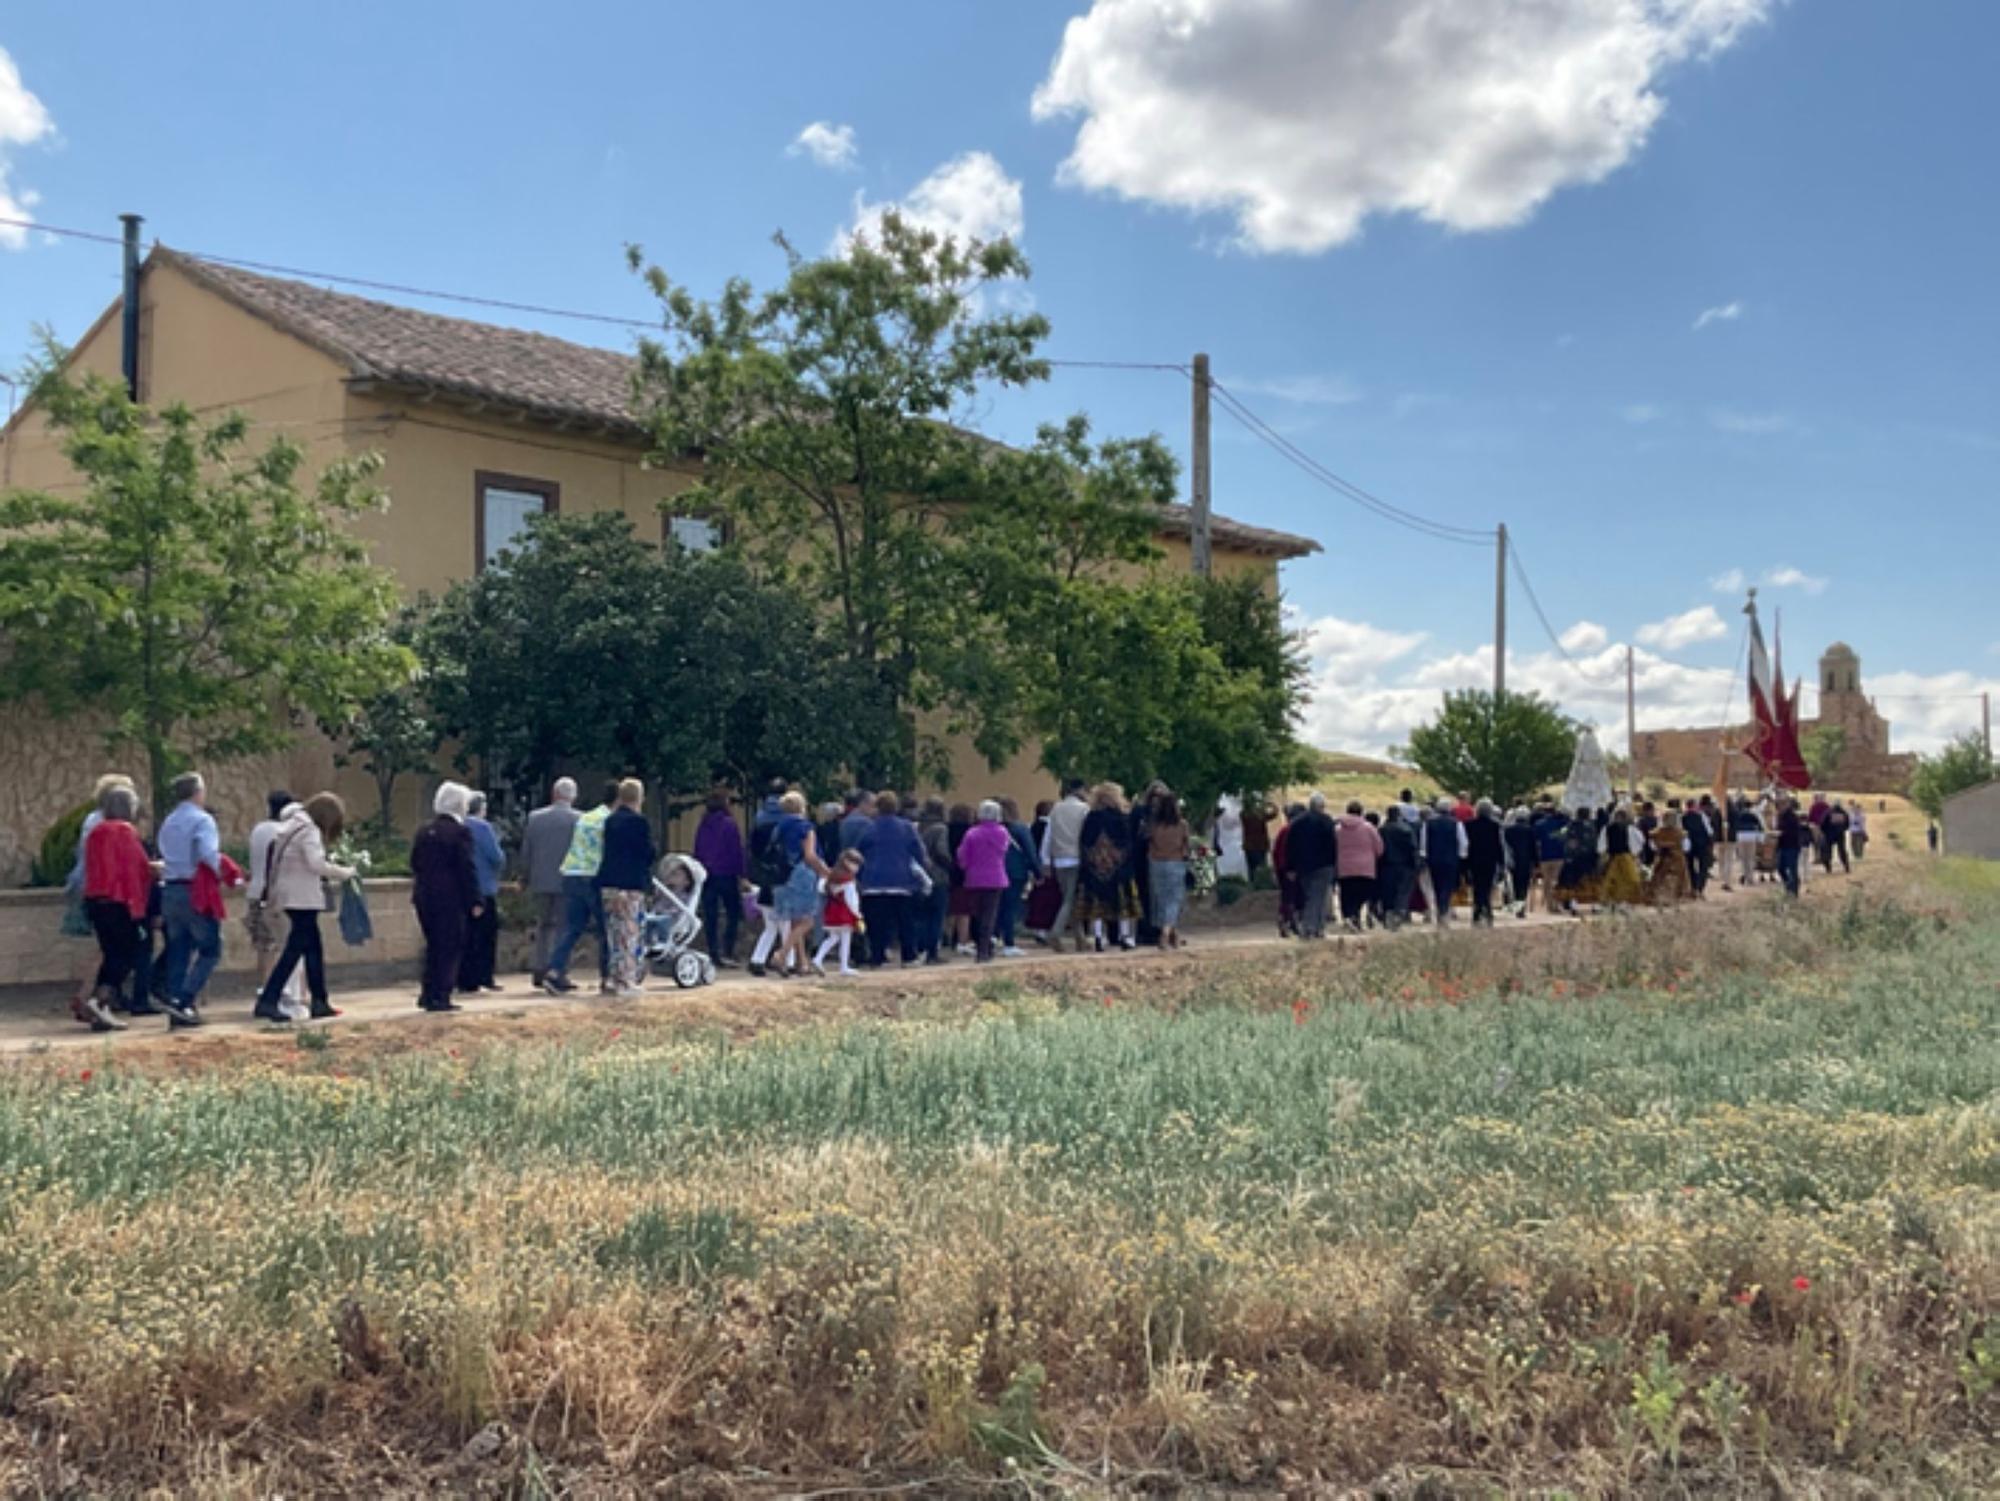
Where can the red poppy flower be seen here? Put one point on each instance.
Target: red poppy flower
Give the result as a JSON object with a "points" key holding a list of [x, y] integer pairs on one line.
{"points": [[1801, 1283], [84, 1077], [1107, 1003], [1746, 1297], [612, 1035]]}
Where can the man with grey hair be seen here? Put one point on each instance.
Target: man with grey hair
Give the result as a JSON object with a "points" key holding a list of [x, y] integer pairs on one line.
{"points": [[544, 846], [188, 840], [1311, 851]]}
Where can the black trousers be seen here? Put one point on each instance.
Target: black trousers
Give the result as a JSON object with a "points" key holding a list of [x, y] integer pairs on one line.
{"points": [[301, 944], [117, 940], [1483, 875], [482, 948], [444, 946], [1357, 894], [985, 918], [721, 916], [889, 918]]}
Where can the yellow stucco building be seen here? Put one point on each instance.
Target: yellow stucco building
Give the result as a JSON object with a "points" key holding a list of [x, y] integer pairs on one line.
{"points": [[478, 425]]}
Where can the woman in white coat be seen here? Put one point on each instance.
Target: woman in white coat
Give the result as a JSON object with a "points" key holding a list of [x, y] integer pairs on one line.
{"points": [[299, 871]]}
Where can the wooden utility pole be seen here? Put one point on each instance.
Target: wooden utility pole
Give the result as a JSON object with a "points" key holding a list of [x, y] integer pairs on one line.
{"points": [[1198, 490], [1499, 616], [1986, 724], [1631, 728]]}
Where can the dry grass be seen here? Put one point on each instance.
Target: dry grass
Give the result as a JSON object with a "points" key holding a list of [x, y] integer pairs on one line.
{"points": [[1694, 1203]]}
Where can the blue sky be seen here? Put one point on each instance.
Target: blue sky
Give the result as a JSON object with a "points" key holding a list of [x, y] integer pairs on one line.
{"points": [[1459, 251]]}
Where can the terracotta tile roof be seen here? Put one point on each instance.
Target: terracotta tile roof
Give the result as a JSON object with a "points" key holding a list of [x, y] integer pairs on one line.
{"points": [[535, 374], [538, 376]]}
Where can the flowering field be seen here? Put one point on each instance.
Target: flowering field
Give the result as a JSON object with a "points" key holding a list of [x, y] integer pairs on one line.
{"points": [[1702, 1202]]}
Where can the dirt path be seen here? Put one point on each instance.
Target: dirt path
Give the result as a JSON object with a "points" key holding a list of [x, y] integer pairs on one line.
{"points": [[385, 1020]]}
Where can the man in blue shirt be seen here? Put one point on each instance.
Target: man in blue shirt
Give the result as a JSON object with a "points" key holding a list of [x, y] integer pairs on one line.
{"points": [[482, 943], [188, 840]]}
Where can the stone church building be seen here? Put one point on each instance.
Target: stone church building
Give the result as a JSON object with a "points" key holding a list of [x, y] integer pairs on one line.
{"points": [[1866, 763]]}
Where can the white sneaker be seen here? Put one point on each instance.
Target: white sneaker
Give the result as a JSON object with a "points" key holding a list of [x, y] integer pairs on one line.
{"points": [[848, 971], [629, 992], [102, 1017], [820, 969], [1011, 952], [967, 951]]}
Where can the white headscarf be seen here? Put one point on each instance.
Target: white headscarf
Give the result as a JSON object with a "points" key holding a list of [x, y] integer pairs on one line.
{"points": [[452, 800]]}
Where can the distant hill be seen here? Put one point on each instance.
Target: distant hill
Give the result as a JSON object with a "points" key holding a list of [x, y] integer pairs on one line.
{"points": [[1346, 764]]}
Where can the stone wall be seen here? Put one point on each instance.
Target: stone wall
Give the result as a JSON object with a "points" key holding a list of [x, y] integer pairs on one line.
{"points": [[33, 951], [48, 767]]}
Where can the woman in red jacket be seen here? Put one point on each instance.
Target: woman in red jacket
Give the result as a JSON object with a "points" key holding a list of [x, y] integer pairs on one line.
{"points": [[117, 881]]}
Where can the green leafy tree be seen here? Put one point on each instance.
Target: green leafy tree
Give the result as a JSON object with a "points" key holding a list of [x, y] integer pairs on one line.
{"points": [[1961, 764], [821, 410], [1505, 754], [1137, 685], [392, 733], [584, 647], [1824, 746], [194, 591]]}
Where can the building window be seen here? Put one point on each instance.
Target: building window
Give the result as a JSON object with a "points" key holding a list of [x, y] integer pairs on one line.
{"points": [[695, 533], [501, 506]]}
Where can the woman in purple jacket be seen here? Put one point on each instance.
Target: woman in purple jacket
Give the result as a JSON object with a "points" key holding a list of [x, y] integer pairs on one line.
{"points": [[718, 847], [982, 855]]}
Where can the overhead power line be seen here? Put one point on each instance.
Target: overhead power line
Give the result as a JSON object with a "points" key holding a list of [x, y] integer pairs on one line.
{"points": [[1535, 603], [1442, 531]]}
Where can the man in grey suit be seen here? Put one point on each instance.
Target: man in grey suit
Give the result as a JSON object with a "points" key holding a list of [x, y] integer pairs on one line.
{"points": [[543, 846]]}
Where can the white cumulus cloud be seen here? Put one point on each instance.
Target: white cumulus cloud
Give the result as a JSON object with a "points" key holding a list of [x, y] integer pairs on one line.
{"points": [[1785, 576], [828, 144], [1371, 685], [1585, 636], [1731, 581], [1727, 312], [1639, 413], [24, 120], [1302, 118], [1677, 631], [970, 197]]}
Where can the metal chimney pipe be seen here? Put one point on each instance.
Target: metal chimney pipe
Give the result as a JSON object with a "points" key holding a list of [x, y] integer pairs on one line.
{"points": [[130, 310]]}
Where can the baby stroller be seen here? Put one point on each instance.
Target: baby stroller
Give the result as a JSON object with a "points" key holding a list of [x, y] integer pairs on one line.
{"points": [[670, 929]]}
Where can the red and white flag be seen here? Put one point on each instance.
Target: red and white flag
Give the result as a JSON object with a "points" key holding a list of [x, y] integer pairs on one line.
{"points": [[1774, 713]]}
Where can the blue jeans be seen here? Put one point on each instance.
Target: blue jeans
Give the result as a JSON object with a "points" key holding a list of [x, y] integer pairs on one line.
{"points": [[1788, 870], [194, 943], [584, 910]]}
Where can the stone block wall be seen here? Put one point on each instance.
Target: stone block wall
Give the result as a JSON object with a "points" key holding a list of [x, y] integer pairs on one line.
{"points": [[33, 951]]}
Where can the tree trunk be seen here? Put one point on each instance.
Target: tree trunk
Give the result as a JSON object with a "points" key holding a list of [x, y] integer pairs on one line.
{"points": [[159, 771]]}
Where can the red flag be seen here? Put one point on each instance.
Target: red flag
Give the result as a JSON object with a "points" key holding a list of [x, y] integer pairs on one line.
{"points": [[1774, 740]]}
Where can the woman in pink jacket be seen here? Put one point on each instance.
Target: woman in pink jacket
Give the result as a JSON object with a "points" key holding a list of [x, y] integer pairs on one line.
{"points": [[982, 855], [1358, 847]]}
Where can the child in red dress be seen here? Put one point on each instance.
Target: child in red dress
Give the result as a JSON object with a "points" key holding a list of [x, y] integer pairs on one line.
{"points": [[842, 917]]}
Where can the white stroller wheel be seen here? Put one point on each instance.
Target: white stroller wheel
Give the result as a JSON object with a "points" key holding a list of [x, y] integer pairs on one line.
{"points": [[690, 970]]}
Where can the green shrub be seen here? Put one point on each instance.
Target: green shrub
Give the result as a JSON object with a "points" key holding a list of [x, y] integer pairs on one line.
{"points": [[1230, 890], [57, 855]]}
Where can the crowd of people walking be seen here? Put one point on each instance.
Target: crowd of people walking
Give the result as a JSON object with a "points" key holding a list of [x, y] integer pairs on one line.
{"points": [[880, 876], [1414, 860]]}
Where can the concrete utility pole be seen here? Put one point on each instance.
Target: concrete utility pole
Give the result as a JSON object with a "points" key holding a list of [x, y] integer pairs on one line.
{"points": [[1198, 489], [1986, 724], [1631, 728], [1499, 616]]}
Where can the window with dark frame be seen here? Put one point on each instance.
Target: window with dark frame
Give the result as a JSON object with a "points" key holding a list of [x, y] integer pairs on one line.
{"points": [[694, 532], [501, 506]]}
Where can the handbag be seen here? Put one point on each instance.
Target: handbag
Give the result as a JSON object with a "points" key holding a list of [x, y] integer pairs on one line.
{"points": [[356, 928]]}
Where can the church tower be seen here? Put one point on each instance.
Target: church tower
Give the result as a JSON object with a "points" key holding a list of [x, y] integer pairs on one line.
{"points": [[1839, 674]]}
